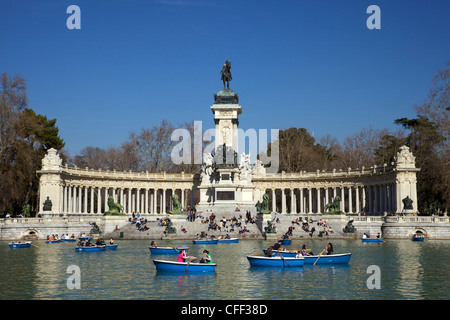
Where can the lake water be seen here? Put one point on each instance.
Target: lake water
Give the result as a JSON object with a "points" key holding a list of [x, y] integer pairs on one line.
{"points": [[408, 270]]}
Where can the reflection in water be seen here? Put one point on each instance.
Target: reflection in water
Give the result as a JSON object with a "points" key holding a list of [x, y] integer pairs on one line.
{"points": [[409, 270]]}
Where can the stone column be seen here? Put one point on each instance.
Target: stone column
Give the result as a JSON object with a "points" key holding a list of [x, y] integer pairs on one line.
{"points": [[106, 199], [350, 200], [99, 200], [369, 191], [274, 201], [155, 201], [146, 201], [358, 209], [164, 201], [309, 201], [302, 201], [318, 200], [292, 201], [342, 207], [79, 199], [91, 211]]}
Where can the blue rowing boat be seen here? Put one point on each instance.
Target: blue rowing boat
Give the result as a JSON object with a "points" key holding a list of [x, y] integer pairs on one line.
{"points": [[278, 261], [372, 239], [418, 238], [206, 241], [167, 250], [286, 241], [53, 241], [90, 249], [68, 240], [111, 247], [17, 245], [232, 240], [339, 258], [177, 267]]}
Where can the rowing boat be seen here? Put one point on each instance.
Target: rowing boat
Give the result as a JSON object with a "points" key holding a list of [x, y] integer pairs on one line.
{"points": [[53, 241], [173, 266], [259, 261], [339, 258], [286, 241], [111, 247], [68, 240], [372, 239], [167, 250], [206, 241], [90, 249], [17, 245], [232, 240], [418, 238]]}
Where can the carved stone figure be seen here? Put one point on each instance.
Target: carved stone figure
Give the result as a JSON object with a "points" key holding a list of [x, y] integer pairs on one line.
{"points": [[245, 172], [176, 205], [47, 205], [115, 209], [207, 168]]}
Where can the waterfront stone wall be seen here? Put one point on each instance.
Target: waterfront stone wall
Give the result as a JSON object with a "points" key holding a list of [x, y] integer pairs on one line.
{"points": [[390, 227]]}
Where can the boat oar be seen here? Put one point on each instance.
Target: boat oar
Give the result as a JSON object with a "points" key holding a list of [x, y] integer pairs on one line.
{"points": [[34, 245], [284, 259], [178, 251], [319, 257]]}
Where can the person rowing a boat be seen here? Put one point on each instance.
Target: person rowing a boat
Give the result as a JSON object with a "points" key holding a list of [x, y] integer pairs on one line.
{"points": [[329, 249], [182, 257]]}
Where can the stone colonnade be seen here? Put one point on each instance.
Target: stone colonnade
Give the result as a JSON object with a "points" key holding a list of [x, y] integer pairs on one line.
{"points": [[354, 199], [94, 200]]}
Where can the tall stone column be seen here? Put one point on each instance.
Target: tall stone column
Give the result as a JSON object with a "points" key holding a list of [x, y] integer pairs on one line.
{"points": [[358, 209], [302, 201], [146, 201], [274, 201], [318, 200], [164, 201], [350, 200], [309, 201]]}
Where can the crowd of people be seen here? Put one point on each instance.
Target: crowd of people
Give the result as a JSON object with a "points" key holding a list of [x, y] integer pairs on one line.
{"points": [[140, 222]]}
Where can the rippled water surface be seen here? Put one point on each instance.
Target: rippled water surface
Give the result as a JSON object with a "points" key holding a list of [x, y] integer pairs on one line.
{"points": [[409, 270]]}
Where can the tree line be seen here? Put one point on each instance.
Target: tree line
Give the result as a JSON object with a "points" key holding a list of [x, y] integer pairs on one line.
{"points": [[26, 136]]}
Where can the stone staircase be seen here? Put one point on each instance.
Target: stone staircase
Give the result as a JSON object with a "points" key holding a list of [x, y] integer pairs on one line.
{"points": [[129, 231], [256, 230]]}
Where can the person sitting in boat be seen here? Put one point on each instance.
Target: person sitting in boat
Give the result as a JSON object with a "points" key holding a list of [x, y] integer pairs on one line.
{"points": [[153, 244], [299, 254], [277, 245], [269, 251], [227, 236], [88, 243], [329, 249], [207, 257], [378, 235], [182, 257], [111, 241], [364, 236], [305, 252]]}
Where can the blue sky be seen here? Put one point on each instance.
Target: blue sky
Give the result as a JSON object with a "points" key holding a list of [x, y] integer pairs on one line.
{"points": [[297, 63]]}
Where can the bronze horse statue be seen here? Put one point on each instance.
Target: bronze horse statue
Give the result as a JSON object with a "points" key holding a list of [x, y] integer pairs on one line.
{"points": [[226, 74]]}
